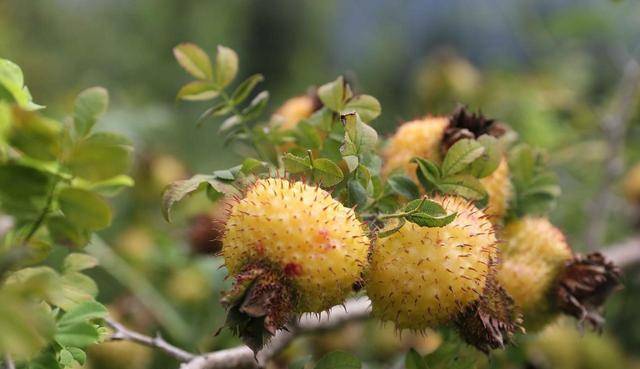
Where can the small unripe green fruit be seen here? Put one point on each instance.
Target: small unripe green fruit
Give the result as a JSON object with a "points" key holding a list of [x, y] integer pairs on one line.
{"points": [[318, 244], [420, 137], [421, 277]]}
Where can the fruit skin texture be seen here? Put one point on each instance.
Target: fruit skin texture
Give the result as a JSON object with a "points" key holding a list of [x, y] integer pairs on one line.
{"points": [[421, 137], [313, 239], [534, 253], [421, 277], [294, 110], [500, 190]]}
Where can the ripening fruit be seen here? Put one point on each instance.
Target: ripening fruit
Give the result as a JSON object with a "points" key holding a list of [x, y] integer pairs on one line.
{"points": [[421, 277], [421, 137], [632, 185], [310, 239], [294, 110], [500, 190], [534, 253]]}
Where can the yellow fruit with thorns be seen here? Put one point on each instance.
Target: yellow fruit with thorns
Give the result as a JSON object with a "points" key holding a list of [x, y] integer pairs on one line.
{"points": [[292, 248], [294, 110], [421, 137], [421, 277], [534, 253], [499, 187]]}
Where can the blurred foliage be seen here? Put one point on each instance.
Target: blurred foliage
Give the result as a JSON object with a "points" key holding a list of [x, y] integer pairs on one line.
{"points": [[548, 68]]}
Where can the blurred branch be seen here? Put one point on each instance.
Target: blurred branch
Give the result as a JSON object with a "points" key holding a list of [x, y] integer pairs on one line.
{"points": [[122, 333], [625, 253], [8, 362], [614, 126]]}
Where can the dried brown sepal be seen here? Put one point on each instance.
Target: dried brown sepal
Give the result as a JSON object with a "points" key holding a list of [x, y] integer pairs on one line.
{"points": [[204, 234], [584, 285], [464, 124], [259, 303], [491, 321]]}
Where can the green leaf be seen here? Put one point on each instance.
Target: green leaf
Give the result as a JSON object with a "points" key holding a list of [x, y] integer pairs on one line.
{"points": [[90, 105], [35, 135], [489, 161], [334, 94], [251, 166], [245, 88], [403, 186], [413, 360], [84, 209], [19, 182], [368, 107], [326, 172], [428, 174], [25, 328], [231, 123], [388, 230], [65, 358], [198, 91], [100, 156], [219, 109], [426, 206], [64, 233], [256, 106], [111, 186], [464, 185], [12, 86], [194, 60], [77, 335], [338, 360], [226, 66], [83, 312], [79, 355], [296, 164], [76, 262], [180, 189], [429, 220], [460, 155], [359, 137], [357, 193]]}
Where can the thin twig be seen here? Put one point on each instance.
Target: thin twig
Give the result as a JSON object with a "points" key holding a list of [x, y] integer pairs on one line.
{"points": [[122, 333], [8, 362], [626, 253], [614, 126]]}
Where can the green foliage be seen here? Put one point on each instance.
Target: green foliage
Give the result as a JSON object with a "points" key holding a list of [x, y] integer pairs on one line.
{"points": [[338, 360]]}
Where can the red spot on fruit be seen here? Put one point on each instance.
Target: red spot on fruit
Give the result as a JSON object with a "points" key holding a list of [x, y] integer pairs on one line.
{"points": [[260, 247], [293, 269]]}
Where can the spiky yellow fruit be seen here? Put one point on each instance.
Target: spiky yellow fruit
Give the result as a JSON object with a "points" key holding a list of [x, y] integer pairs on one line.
{"points": [[294, 110], [313, 240], [500, 190], [421, 277], [421, 137], [632, 184], [534, 253]]}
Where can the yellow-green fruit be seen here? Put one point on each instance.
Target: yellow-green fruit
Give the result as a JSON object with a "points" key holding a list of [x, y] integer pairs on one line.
{"points": [[534, 252], [632, 184], [421, 277], [313, 239], [421, 137], [499, 188], [294, 110]]}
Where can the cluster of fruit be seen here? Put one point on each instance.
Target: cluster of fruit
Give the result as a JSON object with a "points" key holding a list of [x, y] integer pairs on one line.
{"points": [[441, 225]]}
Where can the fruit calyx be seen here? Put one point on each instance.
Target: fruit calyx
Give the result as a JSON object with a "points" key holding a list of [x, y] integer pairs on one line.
{"points": [[584, 285], [464, 124], [491, 321], [260, 302]]}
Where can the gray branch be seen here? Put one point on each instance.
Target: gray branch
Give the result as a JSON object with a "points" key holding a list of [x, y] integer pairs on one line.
{"points": [[614, 127], [122, 333]]}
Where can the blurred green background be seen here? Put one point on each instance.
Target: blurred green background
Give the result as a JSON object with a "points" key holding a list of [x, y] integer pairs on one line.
{"points": [[553, 69]]}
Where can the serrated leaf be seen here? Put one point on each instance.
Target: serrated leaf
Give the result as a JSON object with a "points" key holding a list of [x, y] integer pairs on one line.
{"points": [[367, 106], [65, 358], [338, 360], [357, 193], [429, 220], [83, 312], [256, 106], [100, 156], [391, 226], [194, 60], [226, 66], [413, 360], [12, 86], [219, 109], [84, 209], [296, 164], [403, 186], [111, 186], [198, 91], [352, 162], [359, 137], [428, 174], [79, 355], [245, 88], [76, 262], [180, 189], [77, 335], [464, 185], [35, 135], [333, 94], [90, 105], [460, 155], [489, 161], [326, 172], [425, 206], [252, 166]]}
